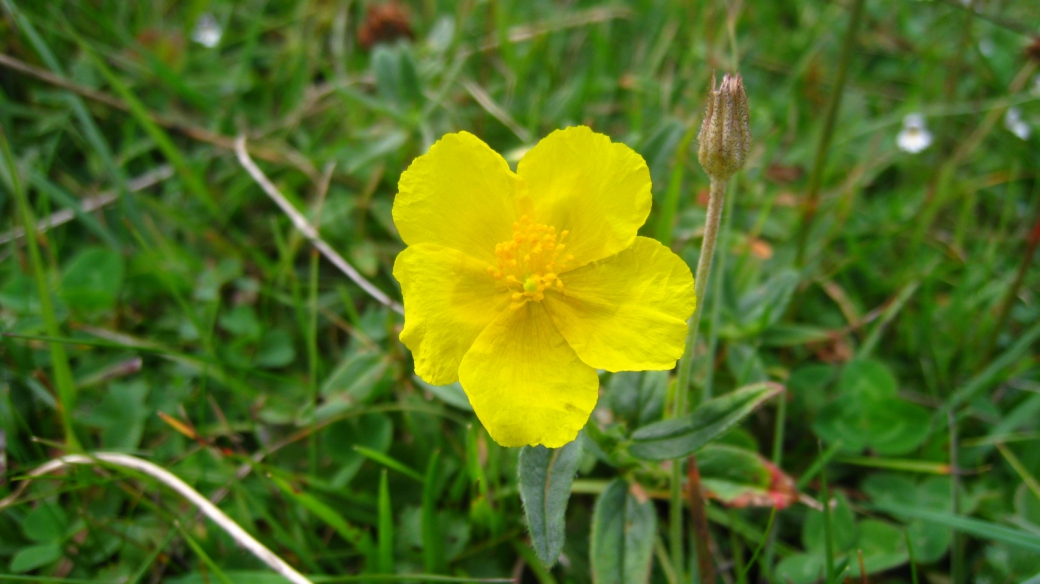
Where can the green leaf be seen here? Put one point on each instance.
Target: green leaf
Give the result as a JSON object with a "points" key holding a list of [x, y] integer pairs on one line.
{"points": [[843, 528], [386, 66], [408, 77], [745, 364], [92, 280], [868, 413], [930, 540], [452, 394], [241, 321], [351, 534], [740, 477], [275, 349], [763, 306], [35, 556], [354, 379], [545, 478], [622, 541], [20, 295], [864, 378], [800, 569], [883, 545], [683, 436], [46, 523], [121, 415], [637, 396], [374, 431]]}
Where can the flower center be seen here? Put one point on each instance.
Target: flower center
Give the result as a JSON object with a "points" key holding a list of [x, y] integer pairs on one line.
{"points": [[530, 262]]}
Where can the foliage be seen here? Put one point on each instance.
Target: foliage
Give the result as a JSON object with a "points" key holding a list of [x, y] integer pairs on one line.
{"points": [[177, 315]]}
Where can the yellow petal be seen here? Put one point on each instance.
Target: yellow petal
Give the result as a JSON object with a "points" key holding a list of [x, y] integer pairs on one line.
{"points": [[461, 194], [525, 383], [627, 312], [449, 298], [598, 190]]}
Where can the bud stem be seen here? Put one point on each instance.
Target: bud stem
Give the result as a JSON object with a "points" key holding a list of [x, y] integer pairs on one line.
{"points": [[716, 199]]}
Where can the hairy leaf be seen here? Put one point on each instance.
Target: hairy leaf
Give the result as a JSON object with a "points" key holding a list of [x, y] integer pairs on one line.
{"points": [[545, 477], [622, 541], [682, 436]]}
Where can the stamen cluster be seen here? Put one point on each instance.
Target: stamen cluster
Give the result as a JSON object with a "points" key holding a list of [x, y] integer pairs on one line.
{"points": [[530, 262]]}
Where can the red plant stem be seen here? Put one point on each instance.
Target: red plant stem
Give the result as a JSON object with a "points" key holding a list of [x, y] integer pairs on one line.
{"points": [[698, 515]]}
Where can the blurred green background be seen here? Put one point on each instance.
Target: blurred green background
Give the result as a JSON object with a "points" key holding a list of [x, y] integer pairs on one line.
{"points": [[190, 324]]}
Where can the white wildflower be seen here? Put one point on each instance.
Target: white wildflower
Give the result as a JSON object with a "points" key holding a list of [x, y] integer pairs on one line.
{"points": [[987, 47], [914, 137], [207, 32], [1016, 125]]}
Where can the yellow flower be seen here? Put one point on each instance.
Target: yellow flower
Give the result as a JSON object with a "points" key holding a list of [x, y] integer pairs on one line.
{"points": [[520, 285]]}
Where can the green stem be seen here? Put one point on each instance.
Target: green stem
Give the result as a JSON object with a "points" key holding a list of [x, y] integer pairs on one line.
{"points": [[812, 199], [65, 386], [716, 299], [716, 201], [682, 384]]}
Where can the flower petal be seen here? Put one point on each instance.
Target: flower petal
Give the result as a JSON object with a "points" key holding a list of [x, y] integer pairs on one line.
{"points": [[461, 194], [627, 312], [596, 189], [449, 298], [525, 383]]}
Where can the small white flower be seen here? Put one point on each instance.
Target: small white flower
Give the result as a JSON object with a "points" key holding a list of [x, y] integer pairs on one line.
{"points": [[986, 47], [1016, 125], [207, 32], [914, 137]]}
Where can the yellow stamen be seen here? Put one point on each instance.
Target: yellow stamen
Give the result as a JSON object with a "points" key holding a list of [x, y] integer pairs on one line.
{"points": [[529, 263]]}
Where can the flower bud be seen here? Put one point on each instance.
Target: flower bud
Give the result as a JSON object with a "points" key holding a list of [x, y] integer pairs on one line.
{"points": [[725, 138]]}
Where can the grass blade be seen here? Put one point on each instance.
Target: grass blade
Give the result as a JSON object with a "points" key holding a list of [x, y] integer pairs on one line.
{"points": [[389, 462], [59, 358], [140, 113], [386, 528], [977, 527], [433, 555]]}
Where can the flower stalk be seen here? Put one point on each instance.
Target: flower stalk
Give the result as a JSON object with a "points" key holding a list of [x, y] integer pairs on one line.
{"points": [[724, 143]]}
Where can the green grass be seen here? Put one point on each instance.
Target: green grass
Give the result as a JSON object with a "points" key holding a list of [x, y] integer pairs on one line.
{"points": [[908, 322]]}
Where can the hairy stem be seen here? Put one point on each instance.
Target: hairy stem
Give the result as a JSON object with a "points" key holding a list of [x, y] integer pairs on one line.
{"points": [[682, 383]]}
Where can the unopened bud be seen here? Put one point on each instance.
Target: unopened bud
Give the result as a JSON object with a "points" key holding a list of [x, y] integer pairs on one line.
{"points": [[725, 138]]}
